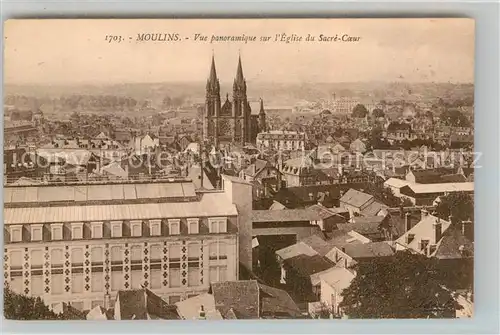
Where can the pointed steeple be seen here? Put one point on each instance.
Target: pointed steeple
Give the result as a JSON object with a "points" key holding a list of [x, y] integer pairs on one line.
{"points": [[239, 72], [262, 107], [213, 81]]}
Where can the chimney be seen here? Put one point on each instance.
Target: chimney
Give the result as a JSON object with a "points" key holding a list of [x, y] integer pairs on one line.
{"points": [[107, 301], [437, 230], [468, 229], [401, 211], [203, 315], [423, 213], [408, 221]]}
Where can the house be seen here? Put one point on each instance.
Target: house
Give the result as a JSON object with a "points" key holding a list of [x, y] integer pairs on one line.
{"points": [[355, 201], [199, 307], [357, 146], [395, 184], [350, 254], [304, 196], [300, 171], [376, 228], [298, 263], [265, 178], [423, 176], [248, 299], [399, 131], [425, 194], [142, 304], [332, 283], [330, 217]]}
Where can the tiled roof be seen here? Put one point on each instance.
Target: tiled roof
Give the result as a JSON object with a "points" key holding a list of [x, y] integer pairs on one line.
{"points": [[373, 208], [323, 211], [189, 309], [356, 198], [308, 265], [318, 244], [369, 250], [453, 178], [454, 245], [284, 215], [241, 296], [442, 187], [423, 230], [143, 305], [276, 303], [296, 249], [337, 277]]}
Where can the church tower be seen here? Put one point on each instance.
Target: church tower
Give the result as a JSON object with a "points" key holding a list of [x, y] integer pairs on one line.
{"points": [[241, 110], [262, 117], [212, 106]]}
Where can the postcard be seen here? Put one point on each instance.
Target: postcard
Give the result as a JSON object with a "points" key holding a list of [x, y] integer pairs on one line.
{"points": [[215, 169]]}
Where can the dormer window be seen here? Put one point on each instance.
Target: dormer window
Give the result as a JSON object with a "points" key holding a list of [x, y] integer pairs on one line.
{"points": [[217, 225], [136, 228], [36, 232], [96, 229], [410, 238], [155, 227], [174, 226], [193, 226], [16, 234], [56, 231], [77, 231], [116, 229]]}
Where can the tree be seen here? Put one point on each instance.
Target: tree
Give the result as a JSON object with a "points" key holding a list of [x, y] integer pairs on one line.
{"points": [[21, 307], [383, 194], [359, 111], [454, 118], [459, 205], [405, 285], [377, 112]]}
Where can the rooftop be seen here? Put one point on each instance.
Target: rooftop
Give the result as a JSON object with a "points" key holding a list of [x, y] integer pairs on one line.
{"points": [[284, 215]]}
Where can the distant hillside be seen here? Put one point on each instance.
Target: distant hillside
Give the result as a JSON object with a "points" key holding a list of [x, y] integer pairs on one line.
{"points": [[272, 93]]}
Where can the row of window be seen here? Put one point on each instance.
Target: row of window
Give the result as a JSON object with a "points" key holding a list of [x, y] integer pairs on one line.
{"points": [[155, 280], [216, 225]]}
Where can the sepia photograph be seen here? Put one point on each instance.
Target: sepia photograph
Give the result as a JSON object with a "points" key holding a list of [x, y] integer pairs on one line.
{"points": [[227, 169]]}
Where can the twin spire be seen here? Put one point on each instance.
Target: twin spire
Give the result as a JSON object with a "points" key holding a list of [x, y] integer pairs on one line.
{"points": [[213, 81]]}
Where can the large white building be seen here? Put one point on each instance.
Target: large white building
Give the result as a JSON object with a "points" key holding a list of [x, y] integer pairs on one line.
{"points": [[83, 243], [281, 140]]}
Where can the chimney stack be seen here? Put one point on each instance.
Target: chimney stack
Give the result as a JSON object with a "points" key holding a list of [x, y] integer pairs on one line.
{"points": [[437, 230], [423, 213], [203, 315], [408, 221]]}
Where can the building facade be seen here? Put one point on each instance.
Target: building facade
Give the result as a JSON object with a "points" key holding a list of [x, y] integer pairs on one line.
{"points": [[86, 242], [281, 140], [230, 121]]}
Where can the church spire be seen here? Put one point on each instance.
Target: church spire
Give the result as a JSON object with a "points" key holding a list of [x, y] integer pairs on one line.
{"points": [[239, 73], [262, 107], [213, 81]]}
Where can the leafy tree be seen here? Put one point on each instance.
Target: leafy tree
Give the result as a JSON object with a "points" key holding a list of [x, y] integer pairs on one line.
{"points": [[454, 118], [459, 205], [383, 194], [377, 112], [405, 285], [359, 111], [21, 307]]}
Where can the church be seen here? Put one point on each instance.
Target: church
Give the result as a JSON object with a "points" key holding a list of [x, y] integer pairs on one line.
{"points": [[230, 121]]}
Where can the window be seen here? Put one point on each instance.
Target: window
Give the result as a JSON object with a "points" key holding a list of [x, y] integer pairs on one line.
{"points": [[194, 264], [193, 226], [116, 256], [77, 231], [96, 229], [16, 233], [136, 228], [16, 273], [217, 250], [136, 279], [116, 281], [217, 225], [57, 231], [36, 285], [174, 265], [217, 273], [174, 226], [97, 267], [36, 232], [116, 229], [56, 265], [155, 227], [77, 270], [410, 238], [155, 266]]}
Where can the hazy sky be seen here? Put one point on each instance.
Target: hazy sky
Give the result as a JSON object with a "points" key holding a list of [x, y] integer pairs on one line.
{"points": [[75, 51]]}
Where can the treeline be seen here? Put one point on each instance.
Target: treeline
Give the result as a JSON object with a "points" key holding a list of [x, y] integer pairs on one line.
{"points": [[97, 101]]}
